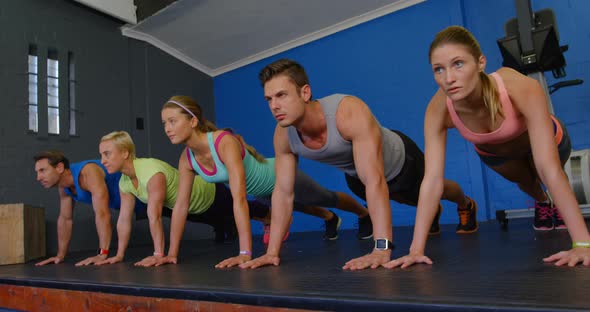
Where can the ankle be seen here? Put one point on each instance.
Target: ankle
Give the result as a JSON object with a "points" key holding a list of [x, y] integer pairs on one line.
{"points": [[544, 198], [330, 216], [464, 205], [546, 201]]}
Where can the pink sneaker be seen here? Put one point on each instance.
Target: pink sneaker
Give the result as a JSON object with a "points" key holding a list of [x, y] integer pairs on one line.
{"points": [[266, 236], [543, 217], [558, 221]]}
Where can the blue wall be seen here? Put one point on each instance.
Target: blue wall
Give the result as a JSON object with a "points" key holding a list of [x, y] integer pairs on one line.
{"points": [[385, 63]]}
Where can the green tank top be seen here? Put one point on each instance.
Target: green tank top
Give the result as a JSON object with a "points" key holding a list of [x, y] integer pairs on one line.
{"points": [[202, 194]]}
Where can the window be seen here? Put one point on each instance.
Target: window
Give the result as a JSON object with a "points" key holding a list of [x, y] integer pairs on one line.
{"points": [[53, 92], [33, 90], [72, 92]]}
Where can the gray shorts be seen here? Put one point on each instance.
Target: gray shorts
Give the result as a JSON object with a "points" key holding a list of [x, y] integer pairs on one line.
{"points": [[309, 193]]}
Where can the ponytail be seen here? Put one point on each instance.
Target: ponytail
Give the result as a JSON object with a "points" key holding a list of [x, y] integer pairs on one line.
{"points": [[259, 157], [206, 126], [490, 97]]}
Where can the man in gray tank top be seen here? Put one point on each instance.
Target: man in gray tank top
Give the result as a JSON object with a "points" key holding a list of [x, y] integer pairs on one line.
{"points": [[340, 130]]}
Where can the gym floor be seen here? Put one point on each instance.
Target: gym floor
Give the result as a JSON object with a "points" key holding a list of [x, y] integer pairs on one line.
{"points": [[491, 270]]}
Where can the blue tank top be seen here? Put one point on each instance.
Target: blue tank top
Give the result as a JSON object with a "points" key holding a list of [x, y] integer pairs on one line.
{"points": [[260, 177], [111, 180]]}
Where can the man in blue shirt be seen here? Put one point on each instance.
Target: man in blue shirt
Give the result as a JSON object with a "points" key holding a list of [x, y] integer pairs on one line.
{"points": [[87, 182]]}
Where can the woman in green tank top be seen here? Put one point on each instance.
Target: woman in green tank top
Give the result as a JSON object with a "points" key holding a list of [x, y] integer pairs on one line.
{"points": [[156, 183]]}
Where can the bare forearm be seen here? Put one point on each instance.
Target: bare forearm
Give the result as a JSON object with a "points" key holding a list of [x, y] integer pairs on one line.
{"points": [[430, 193], [104, 229], [177, 224], [281, 214], [157, 232], [64, 235], [124, 234], [379, 208], [242, 217]]}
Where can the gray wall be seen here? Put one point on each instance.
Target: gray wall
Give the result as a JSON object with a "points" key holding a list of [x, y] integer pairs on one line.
{"points": [[118, 80]]}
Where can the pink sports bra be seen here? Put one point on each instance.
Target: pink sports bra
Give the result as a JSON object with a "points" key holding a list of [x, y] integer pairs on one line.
{"points": [[511, 127]]}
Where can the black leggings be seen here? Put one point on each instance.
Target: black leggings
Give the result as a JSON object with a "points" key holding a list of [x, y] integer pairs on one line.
{"points": [[221, 210], [405, 187]]}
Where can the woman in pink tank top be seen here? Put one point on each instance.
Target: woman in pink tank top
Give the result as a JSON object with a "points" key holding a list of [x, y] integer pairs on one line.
{"points": [[507, 119]]}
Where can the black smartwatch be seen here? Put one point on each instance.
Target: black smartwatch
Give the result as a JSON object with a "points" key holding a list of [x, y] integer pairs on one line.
{"points": [[383, 244]]}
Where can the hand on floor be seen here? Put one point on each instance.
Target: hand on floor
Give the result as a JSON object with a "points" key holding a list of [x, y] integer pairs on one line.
{"points": [[111, 260], [571, 257], [261, 261], [372, 260], [233, 261], [166, 260], [407, 261], [54, 260], [148, 261], [91, 260]]}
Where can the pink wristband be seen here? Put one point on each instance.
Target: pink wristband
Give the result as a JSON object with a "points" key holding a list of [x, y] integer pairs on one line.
{"points": [[158, 254], [245, 252]]}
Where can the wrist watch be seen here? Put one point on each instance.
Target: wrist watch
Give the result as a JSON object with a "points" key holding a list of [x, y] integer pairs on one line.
{"points": [[383, 244]]}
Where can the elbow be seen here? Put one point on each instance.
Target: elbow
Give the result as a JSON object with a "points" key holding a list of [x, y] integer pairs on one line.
{"points": [[548, 174], [122, 225], [375, 182], [102, 214], [282, 199], [432, 186], [154, 217], [124, 219], [241, 201], [65, 219], [238, 194]]}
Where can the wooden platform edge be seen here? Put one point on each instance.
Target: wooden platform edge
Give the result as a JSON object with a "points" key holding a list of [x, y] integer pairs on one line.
{"points": [[48, 299]]}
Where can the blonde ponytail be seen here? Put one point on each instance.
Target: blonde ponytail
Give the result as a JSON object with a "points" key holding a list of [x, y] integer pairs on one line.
{"points": [[206, 126], [490, 96], [259, 157]]}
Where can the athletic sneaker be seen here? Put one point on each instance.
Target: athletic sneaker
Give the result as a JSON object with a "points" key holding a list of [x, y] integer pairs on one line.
{"points": [[266, 236], [435, 227], [365, 228], [557, 219], [543, 217], [332, 227], [467, 218]]}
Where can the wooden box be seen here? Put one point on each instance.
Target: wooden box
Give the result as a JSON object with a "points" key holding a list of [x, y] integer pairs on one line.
{"points": [[22, 233]]}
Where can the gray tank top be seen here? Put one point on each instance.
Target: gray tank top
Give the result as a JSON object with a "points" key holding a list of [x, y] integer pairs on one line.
{"points": [[338, 152]]}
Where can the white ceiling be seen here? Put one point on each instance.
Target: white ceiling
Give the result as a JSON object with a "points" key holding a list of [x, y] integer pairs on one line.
{"points": [[121, 9], [216, 36]]}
